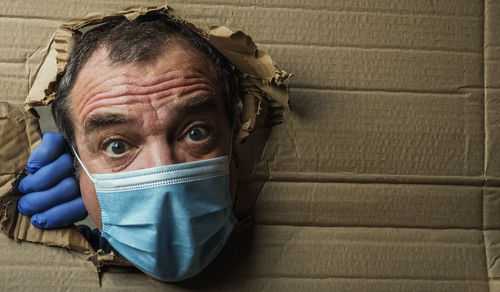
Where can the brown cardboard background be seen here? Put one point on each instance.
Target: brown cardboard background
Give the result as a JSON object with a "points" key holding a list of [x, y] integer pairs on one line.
{"points": [[377, 173]]}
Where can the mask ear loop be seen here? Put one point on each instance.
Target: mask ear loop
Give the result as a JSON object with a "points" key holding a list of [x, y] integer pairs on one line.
{"points": [[81, 163]]}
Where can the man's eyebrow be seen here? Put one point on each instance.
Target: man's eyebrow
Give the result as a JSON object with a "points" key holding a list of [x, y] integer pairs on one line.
{"points": [[197, 103], [99, 121]]}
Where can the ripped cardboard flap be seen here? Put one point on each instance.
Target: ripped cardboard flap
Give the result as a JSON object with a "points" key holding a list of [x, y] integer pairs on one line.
{"points": [[20, 134], [263, 93]]}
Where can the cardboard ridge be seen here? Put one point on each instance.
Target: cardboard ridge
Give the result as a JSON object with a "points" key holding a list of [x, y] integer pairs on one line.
{"points": [[263, 89], [384, 175]]}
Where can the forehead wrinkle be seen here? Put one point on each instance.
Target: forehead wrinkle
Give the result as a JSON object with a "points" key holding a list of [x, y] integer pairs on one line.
{"points": [[131, 88], [145, 82], [156, 99], [104, 80], [166, 84], [96, 85]]}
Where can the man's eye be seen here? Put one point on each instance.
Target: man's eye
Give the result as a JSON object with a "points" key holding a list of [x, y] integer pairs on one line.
{"points": [[197, 134], [117, 148]]}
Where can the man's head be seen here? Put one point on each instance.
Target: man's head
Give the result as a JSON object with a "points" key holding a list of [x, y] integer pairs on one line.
{"points": [[142, 94]]}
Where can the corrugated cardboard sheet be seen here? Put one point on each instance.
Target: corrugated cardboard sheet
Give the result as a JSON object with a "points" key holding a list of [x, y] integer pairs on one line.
{"points": [[385, 174]]}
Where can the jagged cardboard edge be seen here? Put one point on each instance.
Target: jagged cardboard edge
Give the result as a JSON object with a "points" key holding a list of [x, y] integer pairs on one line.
{"points": [[263, 95], [12, 223]]}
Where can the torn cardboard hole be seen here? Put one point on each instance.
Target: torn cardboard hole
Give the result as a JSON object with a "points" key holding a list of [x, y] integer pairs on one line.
{"points": [[261, 81], [263, 92]]}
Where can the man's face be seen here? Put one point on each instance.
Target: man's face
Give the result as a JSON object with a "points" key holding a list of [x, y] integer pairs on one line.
{"points": [[135, 116]]}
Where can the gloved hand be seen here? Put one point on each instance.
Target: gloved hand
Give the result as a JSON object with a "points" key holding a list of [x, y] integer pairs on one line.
{"points": [[52, 193]]}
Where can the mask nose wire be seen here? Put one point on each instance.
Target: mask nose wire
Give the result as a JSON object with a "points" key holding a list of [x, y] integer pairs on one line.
{"points": [[81, 163]]}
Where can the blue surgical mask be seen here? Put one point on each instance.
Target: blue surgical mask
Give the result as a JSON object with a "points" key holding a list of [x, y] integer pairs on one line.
{"points": [[169, 221]]}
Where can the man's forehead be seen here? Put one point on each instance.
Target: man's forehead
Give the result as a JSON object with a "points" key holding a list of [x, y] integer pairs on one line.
{"points": [[177, 71]]}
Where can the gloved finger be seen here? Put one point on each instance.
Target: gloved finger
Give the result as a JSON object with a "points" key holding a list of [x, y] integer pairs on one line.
{"points": [[37, 202], [50, 148], [61, 215], [47, 176]]}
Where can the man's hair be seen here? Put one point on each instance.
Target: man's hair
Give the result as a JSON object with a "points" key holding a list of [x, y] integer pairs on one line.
{"points": [[139, 41]]}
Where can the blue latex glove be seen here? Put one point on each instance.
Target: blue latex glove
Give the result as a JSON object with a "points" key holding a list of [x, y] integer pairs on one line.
{"points": [[52, 193]]}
